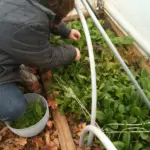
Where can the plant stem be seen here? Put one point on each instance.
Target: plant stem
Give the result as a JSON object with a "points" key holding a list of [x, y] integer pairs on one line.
{"points": [[118, 132]]}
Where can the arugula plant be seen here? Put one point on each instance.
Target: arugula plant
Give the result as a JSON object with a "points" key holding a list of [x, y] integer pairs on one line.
{"points": [[121, 113]]}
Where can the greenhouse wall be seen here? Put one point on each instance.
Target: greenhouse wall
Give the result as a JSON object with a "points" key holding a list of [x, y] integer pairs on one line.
{"points": [[133, 17]]}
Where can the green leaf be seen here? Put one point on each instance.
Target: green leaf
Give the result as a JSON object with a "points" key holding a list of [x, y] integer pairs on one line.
{"points": [[136, 111], [144, 83], [119, 117], [148, 139], [100, 116], [119, 145], [145, 111], [33, 114], [145, 148], [125, 40], [132, 120], [144, 73], [121, 108], [126, 139], [60, 102], [116, 104], [144, 136], [109, 116], [114, 126], [138, 146], [147, 124]]}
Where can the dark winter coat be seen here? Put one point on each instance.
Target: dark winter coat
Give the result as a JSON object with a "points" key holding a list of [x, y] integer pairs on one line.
{"points": [[24, 39]]}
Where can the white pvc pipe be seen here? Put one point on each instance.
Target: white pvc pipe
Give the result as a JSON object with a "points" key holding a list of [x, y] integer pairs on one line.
{"points": [[113, 48], [101, 136], [127, 27], [92, 67]]}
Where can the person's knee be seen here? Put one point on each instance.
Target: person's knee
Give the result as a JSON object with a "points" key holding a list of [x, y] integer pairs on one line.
{"points": [[15, 112], [18, 111], [12, 102]]}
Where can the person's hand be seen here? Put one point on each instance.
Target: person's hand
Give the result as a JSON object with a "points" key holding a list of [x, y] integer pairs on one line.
{"points": [[78, 55], [75, 35]]}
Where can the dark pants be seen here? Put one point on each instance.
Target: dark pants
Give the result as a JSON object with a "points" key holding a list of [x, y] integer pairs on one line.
{"points": [[12, 102]]}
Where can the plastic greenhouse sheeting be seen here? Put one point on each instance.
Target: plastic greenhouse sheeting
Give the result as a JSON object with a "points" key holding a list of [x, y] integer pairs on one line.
{"points": [[133, 17]]}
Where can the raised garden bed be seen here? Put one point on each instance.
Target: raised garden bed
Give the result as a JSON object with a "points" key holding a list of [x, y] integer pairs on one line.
{"points": [[120, 111]]}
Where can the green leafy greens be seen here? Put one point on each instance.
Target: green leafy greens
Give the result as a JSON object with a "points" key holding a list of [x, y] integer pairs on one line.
{"points": [[120, 111], [34, 114]]}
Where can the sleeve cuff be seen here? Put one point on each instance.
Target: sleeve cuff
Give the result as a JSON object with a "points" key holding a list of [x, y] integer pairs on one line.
{"points": [[66, 32], [71, 54]]}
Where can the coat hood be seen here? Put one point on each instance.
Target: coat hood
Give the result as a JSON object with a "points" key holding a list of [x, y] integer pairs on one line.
{"points": [[41, 4]]}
